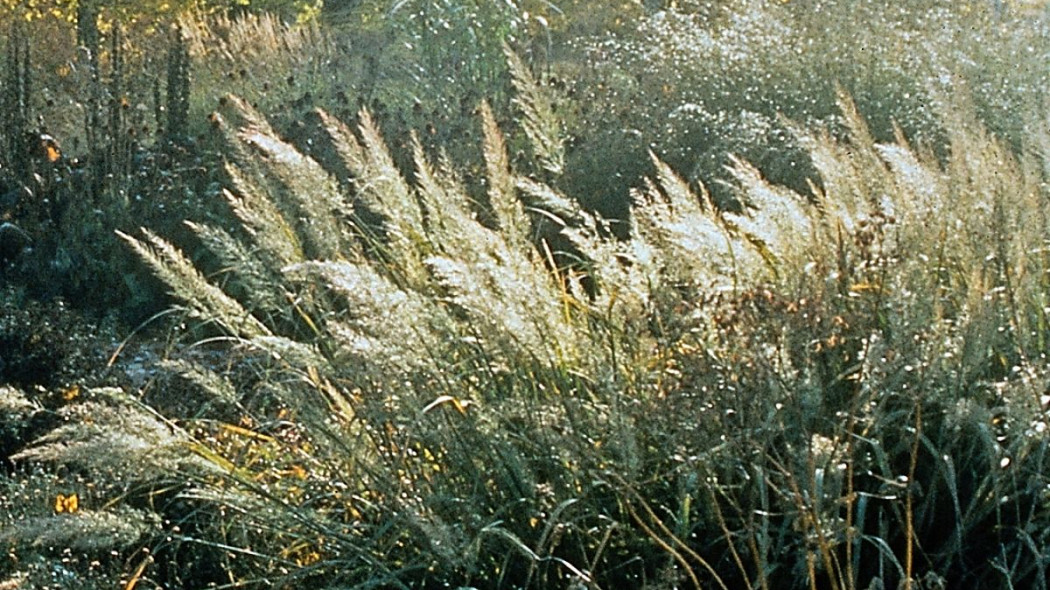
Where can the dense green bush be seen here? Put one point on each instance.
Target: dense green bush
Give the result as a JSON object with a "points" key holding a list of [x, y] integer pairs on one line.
{"points": [[706, 80]]}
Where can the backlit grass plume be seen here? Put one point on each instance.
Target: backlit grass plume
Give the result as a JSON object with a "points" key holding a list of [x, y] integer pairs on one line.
{"points": [[798, 391], [540, 123]]}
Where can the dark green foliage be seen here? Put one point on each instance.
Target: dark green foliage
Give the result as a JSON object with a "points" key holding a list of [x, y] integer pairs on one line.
{"points": [[178, 88], [17, 89], [48, 346]]}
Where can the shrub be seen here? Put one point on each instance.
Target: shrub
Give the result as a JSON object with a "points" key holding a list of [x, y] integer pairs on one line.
{"points": [[706, 80]]}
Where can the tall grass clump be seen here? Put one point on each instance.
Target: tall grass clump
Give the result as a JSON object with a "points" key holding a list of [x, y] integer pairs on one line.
{"points": [[411, 383]]}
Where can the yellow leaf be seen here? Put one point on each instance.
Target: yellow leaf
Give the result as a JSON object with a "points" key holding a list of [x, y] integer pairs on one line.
{"points": [[865, 287], [71, 393], [68, 504], [234, 429]]}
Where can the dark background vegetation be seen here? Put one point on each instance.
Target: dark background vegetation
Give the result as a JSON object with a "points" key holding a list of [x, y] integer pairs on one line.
{"points": [[863, 410]]}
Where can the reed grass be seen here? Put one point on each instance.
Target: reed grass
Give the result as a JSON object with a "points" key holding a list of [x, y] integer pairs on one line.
{"points": [[427, 383], [777, 396]]}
